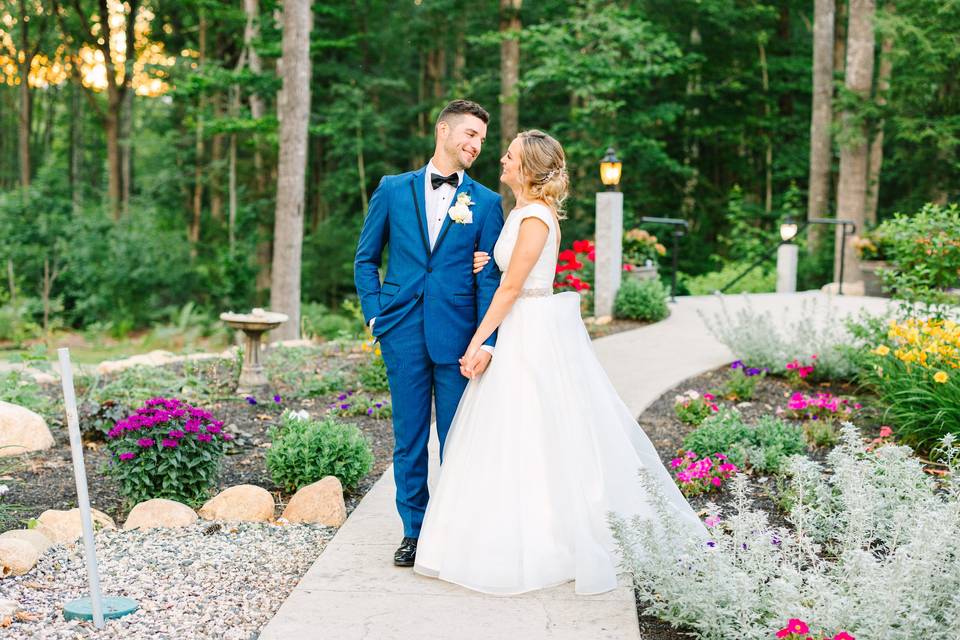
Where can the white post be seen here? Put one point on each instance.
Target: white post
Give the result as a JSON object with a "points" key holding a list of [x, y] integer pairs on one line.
{"points": [[608, 268], [80, 475], [787, 256]]}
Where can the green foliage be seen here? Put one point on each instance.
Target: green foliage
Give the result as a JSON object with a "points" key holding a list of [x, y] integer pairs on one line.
{"points": [[178, 458], [641, 300], [692, 408], [17, 387], [765, 446], [361, 405], [372, 374], [762, 279], [304, 451], [741, 383], [318, 321], [133, 386], [925, 251]]}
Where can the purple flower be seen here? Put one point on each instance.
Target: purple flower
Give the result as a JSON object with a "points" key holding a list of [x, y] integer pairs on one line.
{"points": [[146, 442], [204, 437], [736, 365], [345, 406], [276, 398], [192, 426], [370, 411], [175, 433], [169, 443], [128, 455], [378, 405], [752, 371], [227, 436], [212, 428], [711, 543], [251, 400], [342, 397]]}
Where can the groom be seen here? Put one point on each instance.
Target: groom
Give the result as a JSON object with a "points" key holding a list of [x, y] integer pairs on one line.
{"points": [[429, 305]]}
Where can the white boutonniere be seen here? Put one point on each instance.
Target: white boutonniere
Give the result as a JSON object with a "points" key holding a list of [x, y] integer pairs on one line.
{"points": [[461, 212]]}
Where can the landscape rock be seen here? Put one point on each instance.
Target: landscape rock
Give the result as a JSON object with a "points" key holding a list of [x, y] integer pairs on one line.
{"points": [[35, 537], [65, 526], [22, 430], [243, 503], [16, 557], [319, 503], [159, 512]]}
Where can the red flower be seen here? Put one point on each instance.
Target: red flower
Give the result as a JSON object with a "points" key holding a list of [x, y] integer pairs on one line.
{"points": [[582, 246], [576, 265], [843, 635], [567, 255], [628, 267], [592, 256]]}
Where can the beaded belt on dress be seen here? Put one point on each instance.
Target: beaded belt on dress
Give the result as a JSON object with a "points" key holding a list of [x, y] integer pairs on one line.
{"points": [[536, 293]]}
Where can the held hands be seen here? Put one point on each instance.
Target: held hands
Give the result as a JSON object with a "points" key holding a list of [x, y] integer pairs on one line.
{"points": [[480, 260], [474, 362]]}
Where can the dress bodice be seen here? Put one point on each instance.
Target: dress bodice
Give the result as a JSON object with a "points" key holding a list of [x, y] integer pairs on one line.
{"points": [[542, 275]]}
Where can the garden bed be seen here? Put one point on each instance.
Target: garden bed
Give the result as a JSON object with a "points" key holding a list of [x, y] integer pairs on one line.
{"points": [[666, 431]]}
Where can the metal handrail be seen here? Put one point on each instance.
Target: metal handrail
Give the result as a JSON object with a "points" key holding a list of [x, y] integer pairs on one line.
{"points": [[677, 222], [846, 224]]}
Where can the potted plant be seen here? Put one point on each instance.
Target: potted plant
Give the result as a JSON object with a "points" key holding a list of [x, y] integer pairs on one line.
{"points": [[641, 251], [872, 249]]}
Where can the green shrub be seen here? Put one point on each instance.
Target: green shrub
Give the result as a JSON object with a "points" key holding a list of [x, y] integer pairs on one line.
{"points": [[304, 451], [759, 280], [318, 321], [925, 254], [764, 446], [17, 387], [16, 325], [372, 374], [167, 449], [135, 385], [641, 300]]}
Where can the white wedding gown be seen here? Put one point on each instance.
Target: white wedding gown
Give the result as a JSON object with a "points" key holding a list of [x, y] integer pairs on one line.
{"points": [[541, 449]]}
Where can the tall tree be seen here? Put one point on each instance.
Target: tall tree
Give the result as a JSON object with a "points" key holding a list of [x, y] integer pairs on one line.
{"points": [[821, 117], [510, 26], [293, 111], [876, 145], [854, 143]]}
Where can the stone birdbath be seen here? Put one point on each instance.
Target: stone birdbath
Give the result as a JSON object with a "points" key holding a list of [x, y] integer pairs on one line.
{"points": [[253, 325]]}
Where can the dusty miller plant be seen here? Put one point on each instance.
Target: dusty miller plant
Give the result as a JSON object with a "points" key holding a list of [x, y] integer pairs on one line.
{"points": [[874, 549], [757, 339]]}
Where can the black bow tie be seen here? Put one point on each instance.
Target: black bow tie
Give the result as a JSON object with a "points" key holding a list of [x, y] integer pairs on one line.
{"points": [[436, 180]]}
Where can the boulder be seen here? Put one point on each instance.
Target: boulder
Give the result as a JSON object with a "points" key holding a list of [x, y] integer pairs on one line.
{"points": [[64, 526], [243, 503], [22, 430], [16, 557], [320, 503], [159, 512], [35, 537]]}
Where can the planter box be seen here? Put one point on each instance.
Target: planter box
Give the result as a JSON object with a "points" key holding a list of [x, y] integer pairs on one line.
{"points": [[872, 285], [642, 273]]}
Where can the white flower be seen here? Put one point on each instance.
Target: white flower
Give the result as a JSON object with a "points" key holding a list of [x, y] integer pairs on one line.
{"points": [[301, 415], [693, 394], [461, 212], [3, 489]]}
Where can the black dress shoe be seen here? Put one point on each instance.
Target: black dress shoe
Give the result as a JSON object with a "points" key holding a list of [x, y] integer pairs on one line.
{"points": [[406, 554]]}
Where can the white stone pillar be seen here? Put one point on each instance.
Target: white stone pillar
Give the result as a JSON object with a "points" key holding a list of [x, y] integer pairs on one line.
{"points": [[787, 256], [609, 244]]}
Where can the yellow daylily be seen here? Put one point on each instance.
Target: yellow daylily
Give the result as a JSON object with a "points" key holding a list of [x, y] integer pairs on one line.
{"points": [[941, 377]]}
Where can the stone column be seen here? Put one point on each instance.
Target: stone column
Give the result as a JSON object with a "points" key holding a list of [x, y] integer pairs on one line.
{"points": [[787, 256], [609, 244]]}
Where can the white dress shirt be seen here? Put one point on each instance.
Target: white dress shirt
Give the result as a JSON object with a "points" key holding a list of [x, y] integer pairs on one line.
{"points": [[438, 201]]}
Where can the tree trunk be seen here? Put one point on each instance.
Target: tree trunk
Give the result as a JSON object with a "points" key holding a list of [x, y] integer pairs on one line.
{"points": [[293, 111], [126, 148], [510, 26], [768, 139], [876, 146], [198, 142], [114, 168], [821, 116], [852, 189], [25, 122], [216, 161], [264, 248]]}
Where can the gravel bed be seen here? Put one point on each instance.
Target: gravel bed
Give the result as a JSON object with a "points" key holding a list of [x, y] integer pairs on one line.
{"points": [[208, 580]]}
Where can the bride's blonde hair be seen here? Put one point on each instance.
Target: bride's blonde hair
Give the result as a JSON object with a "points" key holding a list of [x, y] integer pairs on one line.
{"points": [[543, 169]]}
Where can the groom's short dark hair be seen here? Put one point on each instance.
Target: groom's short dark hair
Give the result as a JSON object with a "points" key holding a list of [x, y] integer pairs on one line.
{"points": [[463, 107]]}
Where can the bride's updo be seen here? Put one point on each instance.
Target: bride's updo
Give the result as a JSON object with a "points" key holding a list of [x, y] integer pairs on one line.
{"points": [[543, 169]]}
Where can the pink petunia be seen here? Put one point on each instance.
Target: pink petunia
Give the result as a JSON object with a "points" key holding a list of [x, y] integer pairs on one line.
{"points": [[843, 635], [885, 432]]}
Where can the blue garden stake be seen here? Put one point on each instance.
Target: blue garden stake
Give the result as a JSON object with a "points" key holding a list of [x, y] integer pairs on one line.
{"points": [[95, 607]]}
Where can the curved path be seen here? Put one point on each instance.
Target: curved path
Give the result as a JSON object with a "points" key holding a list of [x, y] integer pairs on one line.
{"points": [[354, 592]]}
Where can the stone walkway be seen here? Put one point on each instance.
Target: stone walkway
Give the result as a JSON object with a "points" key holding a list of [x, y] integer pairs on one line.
{"points": [[353, 591]]}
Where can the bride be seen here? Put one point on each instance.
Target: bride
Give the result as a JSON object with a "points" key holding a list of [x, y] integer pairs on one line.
{"points": [[541, 448]]}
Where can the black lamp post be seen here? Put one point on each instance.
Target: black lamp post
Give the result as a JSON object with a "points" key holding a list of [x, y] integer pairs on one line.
{"points": [[610, 168]]}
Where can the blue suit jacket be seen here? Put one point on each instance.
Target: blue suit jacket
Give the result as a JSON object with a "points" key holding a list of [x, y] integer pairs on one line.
{"points": [[454, 299]]}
